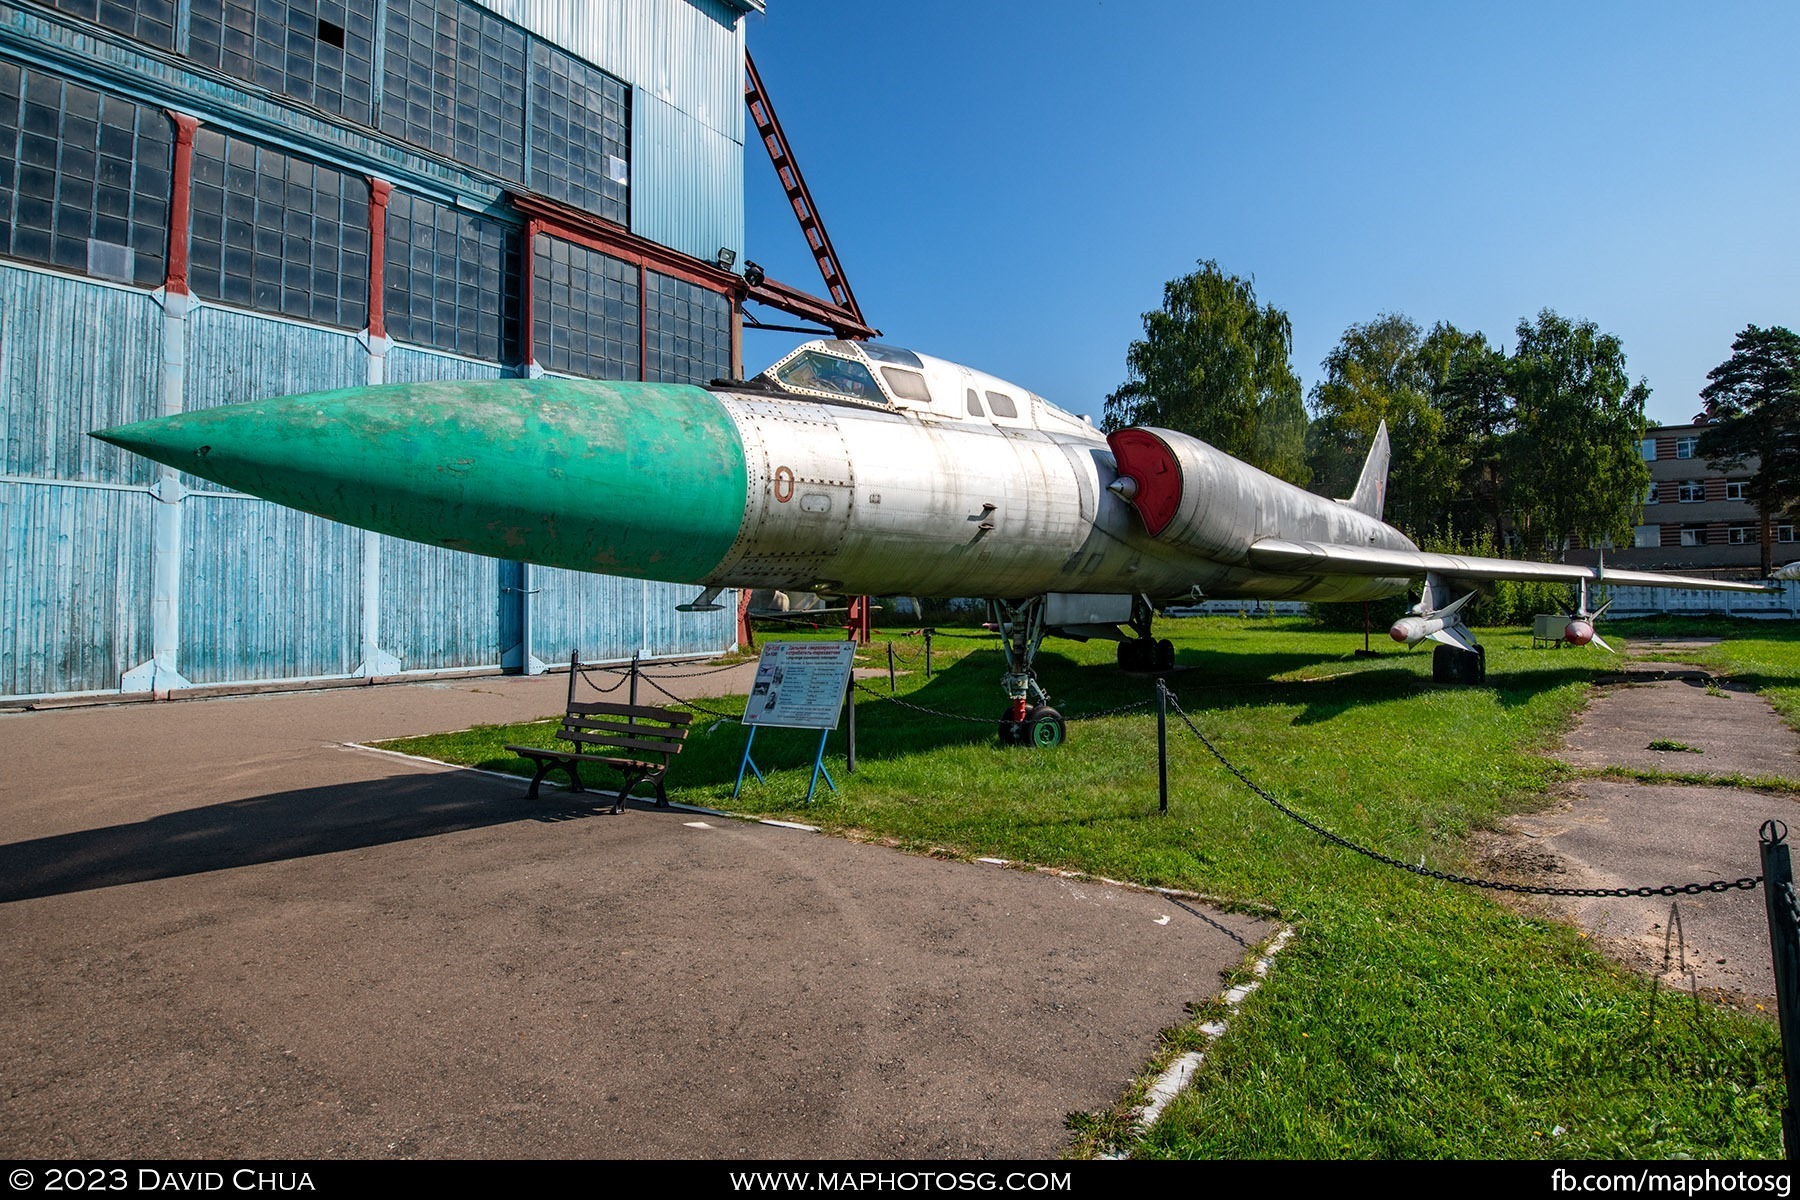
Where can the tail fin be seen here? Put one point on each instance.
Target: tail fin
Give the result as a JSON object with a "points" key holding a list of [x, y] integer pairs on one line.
{"points": [[1371, 489]]}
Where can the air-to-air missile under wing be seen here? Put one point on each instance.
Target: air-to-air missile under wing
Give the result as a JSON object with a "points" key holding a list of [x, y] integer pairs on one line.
{"points": [[846, 467]]}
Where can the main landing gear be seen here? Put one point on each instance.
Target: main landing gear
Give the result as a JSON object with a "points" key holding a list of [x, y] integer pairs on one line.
{"points": [[1021, 628], [1142, 652]]}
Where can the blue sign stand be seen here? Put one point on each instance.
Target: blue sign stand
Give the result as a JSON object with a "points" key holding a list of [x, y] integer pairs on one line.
{"points": [[748, 762], [798, 685], [819, 767]]}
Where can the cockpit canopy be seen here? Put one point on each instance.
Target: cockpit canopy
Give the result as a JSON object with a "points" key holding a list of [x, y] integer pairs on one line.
{"points": [[872, 375]]}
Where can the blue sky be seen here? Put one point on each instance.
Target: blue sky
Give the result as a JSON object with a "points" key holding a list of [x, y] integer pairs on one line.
{"points": [[1009, 185]]}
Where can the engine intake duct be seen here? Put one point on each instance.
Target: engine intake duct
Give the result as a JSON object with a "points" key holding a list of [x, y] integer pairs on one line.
{"points": [[1196, 497]]}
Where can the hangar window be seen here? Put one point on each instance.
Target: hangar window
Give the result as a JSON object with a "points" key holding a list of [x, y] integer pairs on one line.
{"points": [[1693, 535], [823, 373], [687, 331], [1691, 491], [907, 385], [319, 52], [580, 134], [277, 233], [453, 81], [1002, 404], [151, 21], [1646, 535], [585, 311], [84, 178], [452, 279]]}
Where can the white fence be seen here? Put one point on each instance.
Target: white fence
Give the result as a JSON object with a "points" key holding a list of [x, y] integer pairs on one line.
{"points": [[1645, 601]]}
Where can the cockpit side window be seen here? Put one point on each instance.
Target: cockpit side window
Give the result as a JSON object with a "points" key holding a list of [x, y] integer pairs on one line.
{"points": [[892, 354], [1002, 404], [907, 385], [824, 373], [974, 403]]}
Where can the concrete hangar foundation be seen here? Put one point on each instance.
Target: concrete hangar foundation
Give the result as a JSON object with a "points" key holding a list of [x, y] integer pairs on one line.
{"points": [[208, 202]]}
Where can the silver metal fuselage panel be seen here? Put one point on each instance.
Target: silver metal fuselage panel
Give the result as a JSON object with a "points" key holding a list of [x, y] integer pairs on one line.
{"points": [[865, 501]]}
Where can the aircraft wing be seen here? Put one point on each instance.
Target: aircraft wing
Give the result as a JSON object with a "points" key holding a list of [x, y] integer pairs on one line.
{"points": [[1326, 558]]}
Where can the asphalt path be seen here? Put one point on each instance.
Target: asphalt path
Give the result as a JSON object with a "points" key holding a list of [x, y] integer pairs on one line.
{"points": [[229, 933], [1613, 833]]}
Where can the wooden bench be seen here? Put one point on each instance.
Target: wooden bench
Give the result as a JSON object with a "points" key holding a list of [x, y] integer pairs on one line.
{"points": [[636, 740]]}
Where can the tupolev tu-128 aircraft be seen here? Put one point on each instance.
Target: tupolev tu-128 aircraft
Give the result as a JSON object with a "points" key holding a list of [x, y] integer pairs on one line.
{"points": [[851, 468]]}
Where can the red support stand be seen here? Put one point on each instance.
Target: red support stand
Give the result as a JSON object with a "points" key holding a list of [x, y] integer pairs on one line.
{"points": [[861, 624], [746, 636]]}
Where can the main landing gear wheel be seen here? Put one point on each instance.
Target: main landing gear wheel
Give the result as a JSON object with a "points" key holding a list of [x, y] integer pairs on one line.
{"points": [[1143, 655], [1451, 664]]}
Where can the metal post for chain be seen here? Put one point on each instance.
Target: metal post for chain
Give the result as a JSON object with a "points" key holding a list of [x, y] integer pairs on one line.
{"points": [[634, 676], [1784, 946], [1162, 745], [928, 633], [890, 667]]}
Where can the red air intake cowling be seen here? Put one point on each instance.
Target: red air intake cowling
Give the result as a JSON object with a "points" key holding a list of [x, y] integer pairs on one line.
{"points": [[1148, 462]]}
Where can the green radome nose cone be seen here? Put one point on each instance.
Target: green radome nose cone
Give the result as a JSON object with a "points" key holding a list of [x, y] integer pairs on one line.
{"points": [[638, 479]]}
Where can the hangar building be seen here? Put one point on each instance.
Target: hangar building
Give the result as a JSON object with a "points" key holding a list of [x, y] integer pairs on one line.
{"points": [[207, 202]]}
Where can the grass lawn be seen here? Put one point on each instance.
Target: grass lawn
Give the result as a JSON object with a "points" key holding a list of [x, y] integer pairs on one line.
{"points": [[1407, 1018]]}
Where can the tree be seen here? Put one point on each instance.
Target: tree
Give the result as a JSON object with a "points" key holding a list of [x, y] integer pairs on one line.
{"points": [[1573, 460], [1753, 406], [1377, 372], [1470, 385], [1214, 364]]}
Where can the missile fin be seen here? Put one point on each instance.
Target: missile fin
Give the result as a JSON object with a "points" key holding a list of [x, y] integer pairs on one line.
{"points": [[1455, 635]]}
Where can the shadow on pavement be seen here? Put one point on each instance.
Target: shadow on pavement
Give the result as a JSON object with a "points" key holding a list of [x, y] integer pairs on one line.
{"points": [[294, 824]]}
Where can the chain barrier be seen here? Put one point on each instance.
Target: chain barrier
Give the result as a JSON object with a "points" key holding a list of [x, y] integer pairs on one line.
{"points": [[935, 712], [696, 706], [1748, 883], [643, 674], [950, 716], [1109, 712], [582, 672]]}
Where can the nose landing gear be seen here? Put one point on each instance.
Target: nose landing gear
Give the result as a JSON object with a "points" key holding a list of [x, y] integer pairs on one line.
{"points": [[1021, 628]]}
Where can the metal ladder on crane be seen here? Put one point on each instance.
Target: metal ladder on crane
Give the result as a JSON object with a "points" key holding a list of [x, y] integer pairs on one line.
{"points": [[787, 170]]}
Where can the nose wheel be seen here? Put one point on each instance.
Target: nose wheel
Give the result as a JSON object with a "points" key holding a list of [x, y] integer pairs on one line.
{"points": [[1021, 628], [1041, 728]]}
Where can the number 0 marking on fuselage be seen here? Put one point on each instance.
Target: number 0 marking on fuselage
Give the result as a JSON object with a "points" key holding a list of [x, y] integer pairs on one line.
{"points": [[784, 485]]}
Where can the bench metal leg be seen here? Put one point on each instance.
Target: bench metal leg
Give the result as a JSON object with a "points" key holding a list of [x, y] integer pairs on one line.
{"points": [[546, 765]]}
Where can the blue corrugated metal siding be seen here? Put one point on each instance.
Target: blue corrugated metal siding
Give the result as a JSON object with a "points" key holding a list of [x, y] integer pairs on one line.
{"points": [[687, 189], [267, 593], [235, 357], [406, 365], [74, 356], [74, 578], [666, 631], [688, 55], [439, 608], [608, 618]]}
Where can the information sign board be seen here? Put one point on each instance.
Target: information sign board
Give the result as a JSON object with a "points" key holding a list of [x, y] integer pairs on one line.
{"points": [[800, 685]]}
